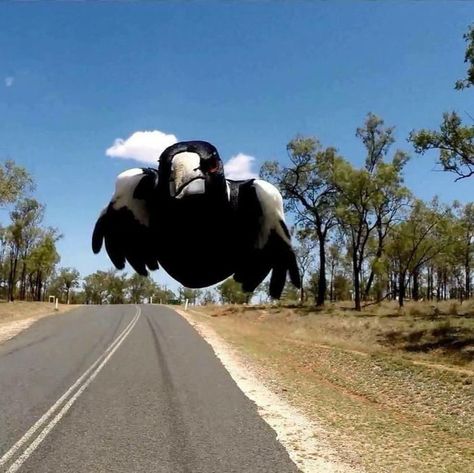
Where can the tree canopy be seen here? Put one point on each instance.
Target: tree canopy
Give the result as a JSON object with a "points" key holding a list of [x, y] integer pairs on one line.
{"points": [[454, 140]]}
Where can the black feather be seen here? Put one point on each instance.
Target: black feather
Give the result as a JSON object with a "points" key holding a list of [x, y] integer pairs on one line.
{"points": [[277, 281], [293, 270], [114, 250], [253, 271], [98, 235]]}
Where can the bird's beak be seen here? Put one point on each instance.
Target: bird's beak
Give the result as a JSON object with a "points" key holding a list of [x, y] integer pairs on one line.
{"points": [[195, 187], [187, 179]]}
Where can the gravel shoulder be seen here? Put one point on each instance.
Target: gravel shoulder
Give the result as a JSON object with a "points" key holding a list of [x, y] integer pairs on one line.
{"points": [[305, 440], [372, 408]]}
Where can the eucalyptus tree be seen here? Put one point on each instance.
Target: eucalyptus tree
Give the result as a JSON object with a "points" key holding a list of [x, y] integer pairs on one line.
{"points": [[456, 261], [356, 192], [116, 286], [95, 287], [305, 257], [163, 295], [67, 279], [14, 182], [454, 140], [230, 292], [337, 264], [309, 193], [390, 197], [41, 261], [417, 241], [140, 288], [208, 297], [466, 220], [192, 295], [21, 234], [371, 199]]}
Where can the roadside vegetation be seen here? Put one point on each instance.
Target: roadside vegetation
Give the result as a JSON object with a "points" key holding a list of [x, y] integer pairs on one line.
{"points": [[392, 386]]}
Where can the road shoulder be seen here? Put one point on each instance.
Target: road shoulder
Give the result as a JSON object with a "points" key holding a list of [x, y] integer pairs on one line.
{"points": [[305, 441], [18, 316]]}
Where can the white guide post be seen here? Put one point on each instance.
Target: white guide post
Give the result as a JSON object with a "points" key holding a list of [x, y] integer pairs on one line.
{"points": [[56, 304], [186, 304]]}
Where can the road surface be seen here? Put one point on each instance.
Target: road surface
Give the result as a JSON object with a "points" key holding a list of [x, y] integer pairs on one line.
{"points": [[126, 389]]}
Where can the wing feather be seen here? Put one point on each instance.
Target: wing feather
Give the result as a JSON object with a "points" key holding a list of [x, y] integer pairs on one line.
{"points": [[265, 239], [124, 225]]}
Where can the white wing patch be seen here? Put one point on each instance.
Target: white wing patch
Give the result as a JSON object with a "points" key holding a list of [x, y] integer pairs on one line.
{"points": [[125, 186], [272, 207]]}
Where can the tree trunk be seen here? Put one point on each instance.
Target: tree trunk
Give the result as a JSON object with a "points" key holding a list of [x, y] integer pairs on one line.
{"points": [[23, 282], [356, 270], [416, 285], [438, 285], [331, 284], [378, 255], [401, 288], [38, 284], [467, 271], [322, 284], [467, 287], [429, 284], [12, 278]]}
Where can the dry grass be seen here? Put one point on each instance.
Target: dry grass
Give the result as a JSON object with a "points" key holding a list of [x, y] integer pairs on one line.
{"points": [[395, 387], [18, 310], [420, 332], [17, 316]]}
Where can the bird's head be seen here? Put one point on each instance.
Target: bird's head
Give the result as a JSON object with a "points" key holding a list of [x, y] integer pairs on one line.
{"points": [[192, 168]]}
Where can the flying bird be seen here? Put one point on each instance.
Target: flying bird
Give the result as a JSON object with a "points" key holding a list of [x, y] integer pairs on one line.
{"points": [[199, 226]]}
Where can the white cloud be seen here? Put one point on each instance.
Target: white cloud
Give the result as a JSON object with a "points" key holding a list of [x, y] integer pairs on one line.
{"points": [[147, 146], [9, 81], [144, 146], [240, 167]]}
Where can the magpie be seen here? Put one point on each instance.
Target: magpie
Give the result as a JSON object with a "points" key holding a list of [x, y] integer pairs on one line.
{"points": [[199, 226]]}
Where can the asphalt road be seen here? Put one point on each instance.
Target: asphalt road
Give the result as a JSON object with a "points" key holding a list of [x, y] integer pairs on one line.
{"points": [[126, 389]]}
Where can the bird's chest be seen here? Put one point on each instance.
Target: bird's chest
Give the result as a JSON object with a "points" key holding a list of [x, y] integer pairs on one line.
{"points": [[198, 237], [198, 220]]}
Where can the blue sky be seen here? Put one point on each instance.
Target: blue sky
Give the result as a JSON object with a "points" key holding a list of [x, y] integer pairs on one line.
{"points": [[75, 77]]}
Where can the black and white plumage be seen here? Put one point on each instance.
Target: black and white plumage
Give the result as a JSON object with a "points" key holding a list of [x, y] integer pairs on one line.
{"points": [[198, 225]]}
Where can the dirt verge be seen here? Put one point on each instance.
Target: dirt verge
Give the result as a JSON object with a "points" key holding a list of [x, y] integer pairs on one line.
{"points": [[305, 440], [378, 405], [18, 316]]}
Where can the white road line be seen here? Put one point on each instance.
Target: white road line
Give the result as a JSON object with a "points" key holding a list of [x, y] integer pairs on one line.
{"points": [[104, 357]]}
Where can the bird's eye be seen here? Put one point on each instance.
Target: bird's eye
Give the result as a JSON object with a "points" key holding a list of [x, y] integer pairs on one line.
{"points": [[210, 165]]}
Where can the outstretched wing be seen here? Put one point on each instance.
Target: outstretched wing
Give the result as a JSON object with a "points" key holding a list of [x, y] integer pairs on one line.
{"points": [[124, 225], [265, 238]]}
